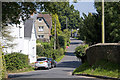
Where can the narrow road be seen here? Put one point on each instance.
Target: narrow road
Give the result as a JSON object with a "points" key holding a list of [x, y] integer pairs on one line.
{"points": [[64, 68]]}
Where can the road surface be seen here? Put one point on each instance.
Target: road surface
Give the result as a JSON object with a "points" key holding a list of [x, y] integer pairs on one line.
{"points": [[63, 70]]}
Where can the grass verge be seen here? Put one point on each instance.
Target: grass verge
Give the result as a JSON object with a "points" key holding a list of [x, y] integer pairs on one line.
{"points": [[101, 68], [60, 58], [22, 70]]}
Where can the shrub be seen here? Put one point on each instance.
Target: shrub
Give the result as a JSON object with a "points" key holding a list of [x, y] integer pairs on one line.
{"points": [[16, 61], [40, 50], [62, 41], [80, 52], [46, 45]]}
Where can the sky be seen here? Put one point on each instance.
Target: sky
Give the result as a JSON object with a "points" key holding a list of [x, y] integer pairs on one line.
{"points": [[84, 7]]}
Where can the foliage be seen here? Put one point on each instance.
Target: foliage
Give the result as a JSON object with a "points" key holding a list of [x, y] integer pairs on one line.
{"points": [[4, 72], [37, 41], [74, 31], [112, 20], [80, 52], [13, 10], [58, 25], [49, 52], [16, 61], [67, 34], [101, 68], [27, 69], [69, 14], [64, 38], [62, 41], [61, 57], [40, 50], [90, 29]]}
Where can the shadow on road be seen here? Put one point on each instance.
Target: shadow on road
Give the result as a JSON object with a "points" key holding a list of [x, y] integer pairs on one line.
{"points": [[69, 54], [22, 75], [73, 43], [69, 64]]}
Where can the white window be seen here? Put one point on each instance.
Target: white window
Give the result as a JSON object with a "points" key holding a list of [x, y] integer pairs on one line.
{"points": [[41, 36], [20, 32], [40, 28]]}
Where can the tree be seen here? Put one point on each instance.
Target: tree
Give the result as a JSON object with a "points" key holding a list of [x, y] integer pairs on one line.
{"points": [[58, 25], [112, 20], [72, 16], [90, 29]]}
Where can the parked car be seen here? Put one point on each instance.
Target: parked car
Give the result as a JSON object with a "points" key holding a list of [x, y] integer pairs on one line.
{"points": [[53, 62], [43, 62]]}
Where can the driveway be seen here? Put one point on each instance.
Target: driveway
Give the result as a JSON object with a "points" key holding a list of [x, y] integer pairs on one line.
{"points": [[63, 70]]}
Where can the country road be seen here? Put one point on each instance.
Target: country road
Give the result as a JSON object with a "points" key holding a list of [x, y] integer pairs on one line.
{"points": [[63, 70]]}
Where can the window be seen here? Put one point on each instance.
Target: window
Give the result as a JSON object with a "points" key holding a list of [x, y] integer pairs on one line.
{"points": [[20, 34], [40, 28], [41, 59], [39, 19], [41, 36]]}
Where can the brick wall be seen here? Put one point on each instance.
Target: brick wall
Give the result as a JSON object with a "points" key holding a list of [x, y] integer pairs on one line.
{"points": [[107, 51]]}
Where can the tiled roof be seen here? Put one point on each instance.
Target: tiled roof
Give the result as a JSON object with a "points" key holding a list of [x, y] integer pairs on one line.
{"points": [[47, 18], [28, 27]]}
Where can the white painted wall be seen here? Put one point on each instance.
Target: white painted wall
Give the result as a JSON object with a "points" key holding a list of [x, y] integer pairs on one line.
{"points": [[30, 46], [17, 31]]}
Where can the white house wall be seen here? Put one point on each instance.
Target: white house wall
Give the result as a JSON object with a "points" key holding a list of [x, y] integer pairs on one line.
{"points": [[30, 46], [33, 46], [18, 40]]}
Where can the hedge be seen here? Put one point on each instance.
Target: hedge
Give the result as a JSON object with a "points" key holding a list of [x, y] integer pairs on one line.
{"points": [[16, 61], [80, 52]]}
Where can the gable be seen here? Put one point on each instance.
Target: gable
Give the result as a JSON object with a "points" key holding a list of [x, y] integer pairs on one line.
{"points": [[44, 21]]}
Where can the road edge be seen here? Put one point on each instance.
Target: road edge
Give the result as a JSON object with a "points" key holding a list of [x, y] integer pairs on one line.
{"points": [[101, 77]]}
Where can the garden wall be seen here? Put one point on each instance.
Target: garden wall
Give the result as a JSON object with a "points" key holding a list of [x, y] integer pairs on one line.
{"points": [[106, 51]]}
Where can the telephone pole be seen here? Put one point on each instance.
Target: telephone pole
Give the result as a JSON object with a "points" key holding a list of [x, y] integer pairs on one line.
{"points": [[103, 26], [55, 36]]}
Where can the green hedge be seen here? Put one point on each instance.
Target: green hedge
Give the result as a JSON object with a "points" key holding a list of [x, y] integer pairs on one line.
{"points": [[49, 52], [16, 61], [80, 52]]}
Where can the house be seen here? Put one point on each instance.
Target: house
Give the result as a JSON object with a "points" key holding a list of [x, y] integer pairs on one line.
{"points": [[43, 25], [24, 39]]}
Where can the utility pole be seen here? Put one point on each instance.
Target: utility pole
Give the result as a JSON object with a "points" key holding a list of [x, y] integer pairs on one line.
{"points": [[66, 22], [55, 36], [103, 26]]}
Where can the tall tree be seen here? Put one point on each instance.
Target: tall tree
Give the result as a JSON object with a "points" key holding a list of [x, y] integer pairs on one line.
{"points": [[90, 30], [112, 20], [55, 21]]}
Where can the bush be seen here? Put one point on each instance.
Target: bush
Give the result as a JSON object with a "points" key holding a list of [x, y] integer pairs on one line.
{"points": [[80, 52], [45, 49], [62, 41], [40, 50], [16, 61]]}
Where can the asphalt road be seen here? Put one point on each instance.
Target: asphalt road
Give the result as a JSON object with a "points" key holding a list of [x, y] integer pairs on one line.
{"points": [[63, 70]]}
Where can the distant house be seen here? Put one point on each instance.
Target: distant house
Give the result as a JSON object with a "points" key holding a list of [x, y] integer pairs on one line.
{"points": [[24, 39], [43, 25]]}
